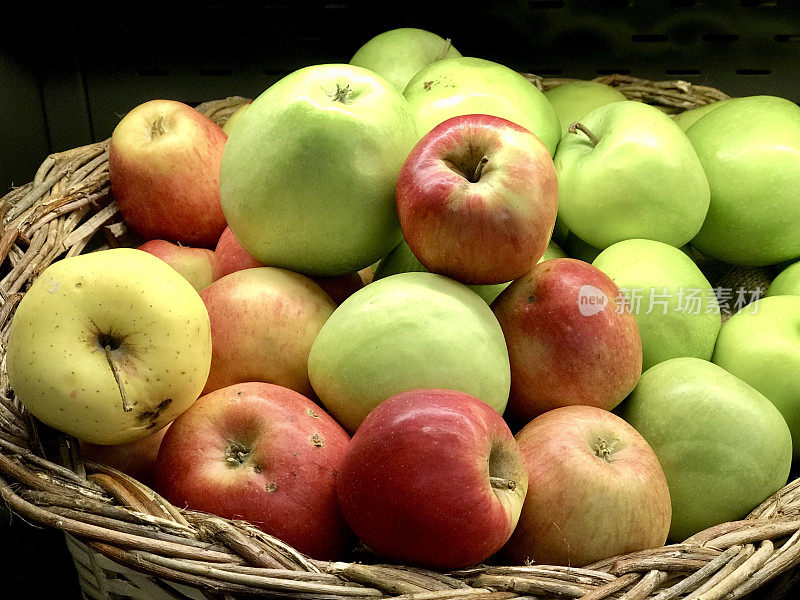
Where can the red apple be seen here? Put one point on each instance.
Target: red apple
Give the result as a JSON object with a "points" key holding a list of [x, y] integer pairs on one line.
{"points": [[163, 164], [571, 339], [137, 459], [261, 453], [195, 264], [433, 478], [230, 257], [263, 322], [596, 490], [477, 199]]}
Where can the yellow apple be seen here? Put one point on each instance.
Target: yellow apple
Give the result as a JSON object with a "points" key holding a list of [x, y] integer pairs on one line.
{"points": [[110, 346]]}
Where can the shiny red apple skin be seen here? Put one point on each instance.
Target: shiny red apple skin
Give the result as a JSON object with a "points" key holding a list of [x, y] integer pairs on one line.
{"points": [[163, 164], [581, 508], [284, 482], [414, 482], [137, 458], [195, 264], [263, 323], [230, 257], [492, 229], [560, 356]]}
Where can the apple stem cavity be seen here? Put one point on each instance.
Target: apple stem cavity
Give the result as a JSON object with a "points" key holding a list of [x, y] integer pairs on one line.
{"points": [[501, 483], [476, 176], [126, 404], [578, 126]]}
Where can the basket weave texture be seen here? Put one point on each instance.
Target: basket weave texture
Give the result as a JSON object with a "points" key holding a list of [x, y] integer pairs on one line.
{"points": [[128, 542]]}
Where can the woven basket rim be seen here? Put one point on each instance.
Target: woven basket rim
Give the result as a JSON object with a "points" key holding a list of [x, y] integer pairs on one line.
{"points": [[66, 205]]}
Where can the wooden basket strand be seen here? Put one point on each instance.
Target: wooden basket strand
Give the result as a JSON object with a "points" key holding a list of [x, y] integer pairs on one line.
{"points": [[128, 542]]}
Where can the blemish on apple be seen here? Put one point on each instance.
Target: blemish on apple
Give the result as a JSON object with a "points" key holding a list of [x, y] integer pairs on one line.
{"points": [[272, 486], [311, 413], [317, 440]]}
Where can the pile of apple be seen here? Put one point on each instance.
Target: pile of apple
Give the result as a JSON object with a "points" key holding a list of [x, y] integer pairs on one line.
{"points": [[265, 355]]}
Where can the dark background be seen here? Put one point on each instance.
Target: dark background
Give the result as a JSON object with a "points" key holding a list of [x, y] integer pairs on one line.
{"points": [[69, 70]]}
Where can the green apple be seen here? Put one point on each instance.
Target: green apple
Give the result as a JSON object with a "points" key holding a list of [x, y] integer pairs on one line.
{"points": [[308, 173], [553, 250], [787, 282], [577, 248], [723, 446], [575, 99], [402, 260], [109, 346], [750, 150], [401, 53], [760, 344], [235, 116], [633, 175], [688, 117], [405, 332], [675, 307], [462, 86]]}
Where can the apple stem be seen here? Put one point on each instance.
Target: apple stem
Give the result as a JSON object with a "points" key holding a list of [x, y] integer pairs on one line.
{"points": [[157, 128], [578, 126], [476, 176], [126, 405], [447, 44], [502, 483]]}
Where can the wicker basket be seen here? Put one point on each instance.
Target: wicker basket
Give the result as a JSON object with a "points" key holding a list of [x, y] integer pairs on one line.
{"points": [[128, 542]]}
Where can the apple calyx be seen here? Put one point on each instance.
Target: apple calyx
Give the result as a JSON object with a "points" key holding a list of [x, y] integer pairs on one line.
{"points": [[603, 449], [342, 94], [578, 126], [157, 129], [236, 454], [109, 343], [501, 483]]}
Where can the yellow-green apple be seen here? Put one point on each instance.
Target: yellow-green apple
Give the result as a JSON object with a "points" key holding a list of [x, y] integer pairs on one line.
{"points": [[723, 446], [760, 344], [235, 116], [194, 264], [750, 150], [477, 199], [163, 165], [465, 86], [402, 260], [626, 170], [675, 307], [262, 453], [595, 490], [137, 458], [399, 54], [433, 477], [263, 322], [787, 282], [408, 331], [574, 100], [687, 118], [323, 194], [571, 339], [109, 346], [230, 257], [577, 248]]}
